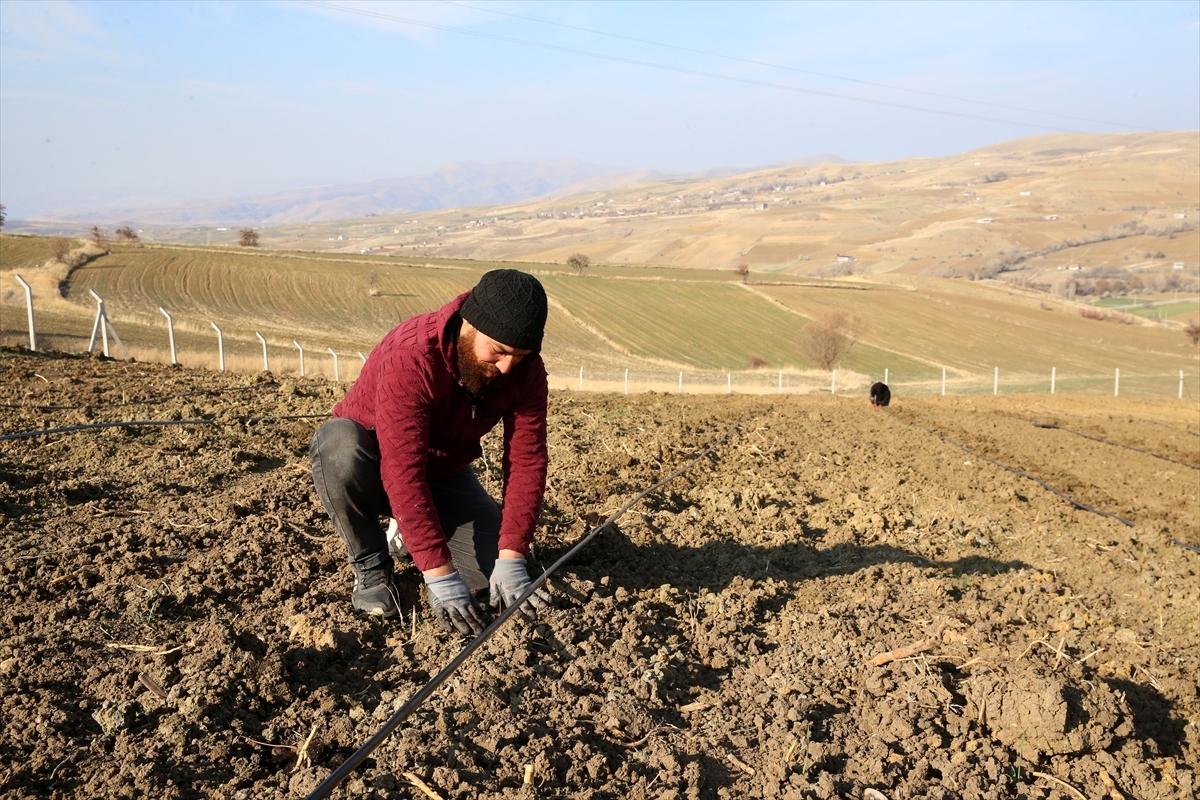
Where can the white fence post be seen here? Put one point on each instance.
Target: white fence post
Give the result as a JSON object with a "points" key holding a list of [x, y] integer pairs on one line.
{"points": [[266, 364], [98, 325], [170, 333], [626, 381], [833, 382], [885, 375], [364, 358], [581, 379], [996, 381], [681, 383], [301, 349], [29, 307], [1180, 384], [220, 345], [1053, 375], [1117, 383], [943, 381], [336, 376]]}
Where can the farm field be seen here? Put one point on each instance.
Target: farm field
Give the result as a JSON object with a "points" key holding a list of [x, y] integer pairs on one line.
{"points": [[1031, 205], [707, 325], [991, 327], [654, 322], [1154, 308], [1122, 200], [176, 621]]}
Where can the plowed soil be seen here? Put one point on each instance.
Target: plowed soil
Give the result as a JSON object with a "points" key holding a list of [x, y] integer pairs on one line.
{"points": [[175, 617]]}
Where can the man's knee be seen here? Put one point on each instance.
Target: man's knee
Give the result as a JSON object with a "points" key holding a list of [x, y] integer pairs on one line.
{"points": [[339, 449]]}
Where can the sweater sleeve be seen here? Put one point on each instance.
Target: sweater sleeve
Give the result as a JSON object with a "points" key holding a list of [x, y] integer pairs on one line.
{"points": [[403, 408], [524, 466]]}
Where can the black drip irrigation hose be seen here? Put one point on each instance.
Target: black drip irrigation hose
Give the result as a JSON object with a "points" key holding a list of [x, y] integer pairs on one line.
{"points": [[1185, 545], [147, 423], [1014, 470], [98, 425], [1051, 426], [360, 755], [149, 402]]}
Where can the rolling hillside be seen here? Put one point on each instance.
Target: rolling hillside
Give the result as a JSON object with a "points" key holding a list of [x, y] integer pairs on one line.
{"points": [[652, 321], [1096, 200]]}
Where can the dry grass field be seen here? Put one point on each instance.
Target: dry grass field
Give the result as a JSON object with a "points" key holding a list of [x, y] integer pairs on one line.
{"points": [[661, 297], [917, 216]]}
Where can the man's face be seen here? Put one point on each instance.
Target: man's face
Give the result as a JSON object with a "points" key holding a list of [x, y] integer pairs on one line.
{"points": [[482, 360]]}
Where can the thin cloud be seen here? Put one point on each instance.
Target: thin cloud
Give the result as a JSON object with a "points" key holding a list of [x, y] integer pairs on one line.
{"points": [[57, 32], [360, 89], [374, 15]]}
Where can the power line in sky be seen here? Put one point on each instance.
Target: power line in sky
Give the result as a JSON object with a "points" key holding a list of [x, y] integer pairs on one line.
{"points": [[669, 68], [858, 81]]}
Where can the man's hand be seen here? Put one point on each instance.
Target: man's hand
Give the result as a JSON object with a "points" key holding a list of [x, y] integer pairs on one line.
{"points": [[510, 579], [453, 603]]}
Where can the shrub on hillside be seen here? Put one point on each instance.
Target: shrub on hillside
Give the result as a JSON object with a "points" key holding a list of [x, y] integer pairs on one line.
{"points": [[1192, 331], [249, 237], [578, 262], [830, 339], [59, 248]]}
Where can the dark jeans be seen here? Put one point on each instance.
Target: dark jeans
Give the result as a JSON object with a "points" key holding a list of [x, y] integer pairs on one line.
{"points": [[345, 468]]}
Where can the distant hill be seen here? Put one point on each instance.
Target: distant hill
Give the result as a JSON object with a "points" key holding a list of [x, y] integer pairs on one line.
{"points": [[465, 183]]}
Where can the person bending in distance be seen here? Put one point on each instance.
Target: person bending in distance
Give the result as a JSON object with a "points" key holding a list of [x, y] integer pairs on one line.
{"points": [[401, 442]]}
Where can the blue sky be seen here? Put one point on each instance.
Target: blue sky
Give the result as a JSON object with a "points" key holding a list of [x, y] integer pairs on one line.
{"points": [[111, 104]]}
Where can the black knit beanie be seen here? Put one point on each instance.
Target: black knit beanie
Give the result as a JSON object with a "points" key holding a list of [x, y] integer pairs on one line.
{"points": [[508, 306]]}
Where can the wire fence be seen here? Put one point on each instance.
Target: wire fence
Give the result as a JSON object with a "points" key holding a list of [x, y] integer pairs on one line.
{"points": [[208, 345], [1117, 383]]}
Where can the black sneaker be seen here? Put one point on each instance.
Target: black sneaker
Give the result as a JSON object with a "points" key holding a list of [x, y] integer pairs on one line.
{"points": [[375, 592]]}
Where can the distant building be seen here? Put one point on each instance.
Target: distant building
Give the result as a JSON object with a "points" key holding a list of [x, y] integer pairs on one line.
{"points": [[984, 221], [1179, 265], [764, 206], [844, 259], [1050, 217], [1074, 267], [1026, 194], [968, 194], [1181, 216]]}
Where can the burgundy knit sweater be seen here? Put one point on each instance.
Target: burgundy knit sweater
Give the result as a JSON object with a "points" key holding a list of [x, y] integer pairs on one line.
{"points": [[429, 427]]}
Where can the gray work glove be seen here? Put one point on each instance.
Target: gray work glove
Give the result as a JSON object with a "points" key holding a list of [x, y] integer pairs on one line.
{"points": [[453, 603], [510, 579]]}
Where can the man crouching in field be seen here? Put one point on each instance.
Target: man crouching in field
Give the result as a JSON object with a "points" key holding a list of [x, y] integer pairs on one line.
{"points": [[401, 442]]}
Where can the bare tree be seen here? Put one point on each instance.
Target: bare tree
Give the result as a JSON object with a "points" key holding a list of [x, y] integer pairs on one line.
{"points": [[128, 234], [1192, 331], [578, 262], [373, 284], [3, 215], [60, 247], [249, 237], [742, 271], [98, 236], [828, 340]]}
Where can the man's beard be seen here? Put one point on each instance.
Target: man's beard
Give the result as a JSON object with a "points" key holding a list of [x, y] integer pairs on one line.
{"points": [[476, 376]]}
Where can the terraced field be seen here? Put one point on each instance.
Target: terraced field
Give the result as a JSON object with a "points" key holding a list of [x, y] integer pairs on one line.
{"points": [[655, 322]]}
